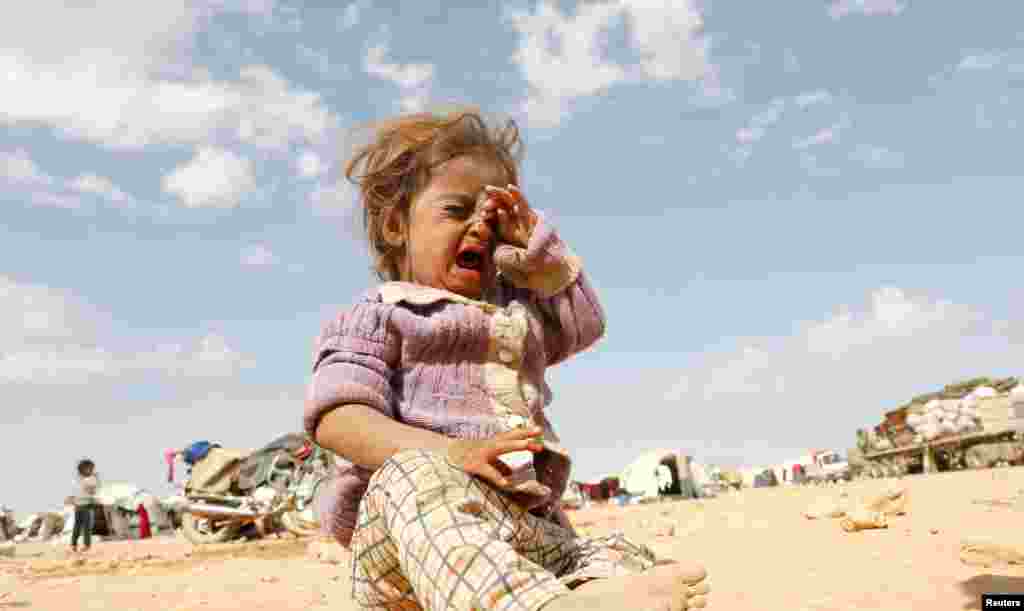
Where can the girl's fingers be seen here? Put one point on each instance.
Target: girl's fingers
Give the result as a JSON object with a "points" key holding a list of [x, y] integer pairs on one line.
{"points": [[504, 469], [518, 445], [491, 474], [520, 433]]}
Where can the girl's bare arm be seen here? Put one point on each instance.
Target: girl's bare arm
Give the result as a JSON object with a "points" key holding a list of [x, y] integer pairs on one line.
{"points": [[366, 437]]}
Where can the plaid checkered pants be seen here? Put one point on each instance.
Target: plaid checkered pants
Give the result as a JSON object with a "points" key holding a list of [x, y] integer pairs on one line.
{"points": [[430, 536]]}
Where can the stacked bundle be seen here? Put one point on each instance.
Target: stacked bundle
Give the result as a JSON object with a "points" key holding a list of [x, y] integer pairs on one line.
{"points": [[1003, 410], [942, 417]]}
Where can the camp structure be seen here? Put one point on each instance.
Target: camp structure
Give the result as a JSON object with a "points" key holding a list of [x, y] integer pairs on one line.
{"points": [[117, 513], [758, 477], [659, 473], [601, 490], [706, 479], [38, 527]]}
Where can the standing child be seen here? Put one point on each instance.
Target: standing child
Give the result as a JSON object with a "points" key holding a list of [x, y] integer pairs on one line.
{"points": [[432, 386], [85, 504]]}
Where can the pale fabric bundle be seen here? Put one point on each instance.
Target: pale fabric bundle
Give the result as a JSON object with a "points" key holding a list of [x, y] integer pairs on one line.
{"points": [[983, 392], [964, 424]]}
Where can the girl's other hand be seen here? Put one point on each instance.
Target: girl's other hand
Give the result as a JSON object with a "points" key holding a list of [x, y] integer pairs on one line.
{"points": [[511, 213], [482, 457]]}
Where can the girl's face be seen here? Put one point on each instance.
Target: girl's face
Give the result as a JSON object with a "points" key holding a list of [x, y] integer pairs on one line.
{"points": [[447, 244]]}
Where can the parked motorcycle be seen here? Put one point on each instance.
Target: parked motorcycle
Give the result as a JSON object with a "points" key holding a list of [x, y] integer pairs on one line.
{"points": [[272, 488]]}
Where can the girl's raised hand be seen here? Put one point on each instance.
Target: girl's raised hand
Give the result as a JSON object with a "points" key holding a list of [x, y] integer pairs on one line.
{"points": [[511, 213], [482, 457]]}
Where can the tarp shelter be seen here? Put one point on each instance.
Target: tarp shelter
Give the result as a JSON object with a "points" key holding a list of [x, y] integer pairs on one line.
{"points": [[600, 490], [659, 472], [117, 514], [705, 479], [39, 526]]}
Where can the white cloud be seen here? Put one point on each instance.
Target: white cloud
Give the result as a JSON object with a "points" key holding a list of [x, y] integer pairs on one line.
{"points": [[258, 255], [563, 57], [94, 79], [25, 180], [841, 8], [666, 37], [334, 199], [271, 115], [209, 357], [214, 178], [845, 370], [32, 314], [413, 80], [99, 185], [811, 98], [51, 337], [310, 165], [18, 167]]}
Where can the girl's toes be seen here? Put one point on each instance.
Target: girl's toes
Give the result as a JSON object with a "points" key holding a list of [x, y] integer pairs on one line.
{"points": [[700, 588]]}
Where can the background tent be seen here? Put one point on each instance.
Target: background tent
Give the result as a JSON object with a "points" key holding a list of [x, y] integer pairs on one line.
{"points": [[641, 477], [117, 514], [705, 479]]}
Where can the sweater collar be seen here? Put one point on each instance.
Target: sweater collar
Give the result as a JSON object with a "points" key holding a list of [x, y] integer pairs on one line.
{"points": [[417, 294]]}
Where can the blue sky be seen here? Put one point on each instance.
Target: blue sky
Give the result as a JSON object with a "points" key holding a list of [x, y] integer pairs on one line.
{"points": [[797, 216]]}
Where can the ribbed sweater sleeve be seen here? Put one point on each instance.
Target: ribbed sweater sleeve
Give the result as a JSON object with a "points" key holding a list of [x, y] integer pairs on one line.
{"points": [[574, 318], [353, 361]]}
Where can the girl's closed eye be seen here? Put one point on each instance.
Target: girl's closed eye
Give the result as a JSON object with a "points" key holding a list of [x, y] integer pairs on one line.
{"points": [[460, 211]]}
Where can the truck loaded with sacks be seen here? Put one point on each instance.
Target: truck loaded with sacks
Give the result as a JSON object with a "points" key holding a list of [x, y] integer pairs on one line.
{"points": [[974, 424]]}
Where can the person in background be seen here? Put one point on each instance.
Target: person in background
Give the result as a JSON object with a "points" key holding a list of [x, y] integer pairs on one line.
{"points": [[85, 504]]}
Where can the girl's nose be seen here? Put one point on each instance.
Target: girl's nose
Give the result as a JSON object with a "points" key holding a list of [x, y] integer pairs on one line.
{"points": [[480, 228]]}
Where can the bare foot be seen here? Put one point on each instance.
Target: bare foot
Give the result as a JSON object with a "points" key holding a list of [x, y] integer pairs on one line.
{"points": [[667, 587]]}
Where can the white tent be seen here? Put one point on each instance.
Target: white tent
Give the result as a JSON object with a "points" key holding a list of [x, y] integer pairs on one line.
{"points": [[119, 502], [656, 472]]}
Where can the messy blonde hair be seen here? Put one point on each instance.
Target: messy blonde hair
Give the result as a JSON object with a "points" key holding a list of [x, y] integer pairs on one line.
{"points": [[398, 163]]}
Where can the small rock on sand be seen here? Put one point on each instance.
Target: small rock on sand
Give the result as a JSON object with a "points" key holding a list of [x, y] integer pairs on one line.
{"points": [[327, 551], [7, 550]]}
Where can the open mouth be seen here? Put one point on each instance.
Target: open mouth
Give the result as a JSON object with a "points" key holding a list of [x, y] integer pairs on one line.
{"points": [[471, 257]]}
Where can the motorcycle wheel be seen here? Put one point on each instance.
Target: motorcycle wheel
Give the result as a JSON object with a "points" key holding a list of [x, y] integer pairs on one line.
{"points": [[202, 531]]}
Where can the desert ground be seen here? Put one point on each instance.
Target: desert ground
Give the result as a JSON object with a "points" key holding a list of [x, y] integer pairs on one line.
{"points": [[760, 550]]}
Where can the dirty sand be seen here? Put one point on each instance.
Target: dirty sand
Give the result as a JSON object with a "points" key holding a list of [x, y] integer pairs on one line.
{"points": [[760, 551]]}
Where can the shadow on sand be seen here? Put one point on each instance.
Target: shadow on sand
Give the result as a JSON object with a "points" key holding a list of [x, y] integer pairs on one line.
{"points": [[974, 587]]}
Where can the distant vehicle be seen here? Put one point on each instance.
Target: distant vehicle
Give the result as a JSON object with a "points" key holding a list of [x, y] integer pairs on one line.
{"points": [[826, 466], [975, 450], [975, 424]]}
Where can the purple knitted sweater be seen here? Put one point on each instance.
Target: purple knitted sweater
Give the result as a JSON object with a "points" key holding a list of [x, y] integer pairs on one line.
{"points": [[456, 366]]}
